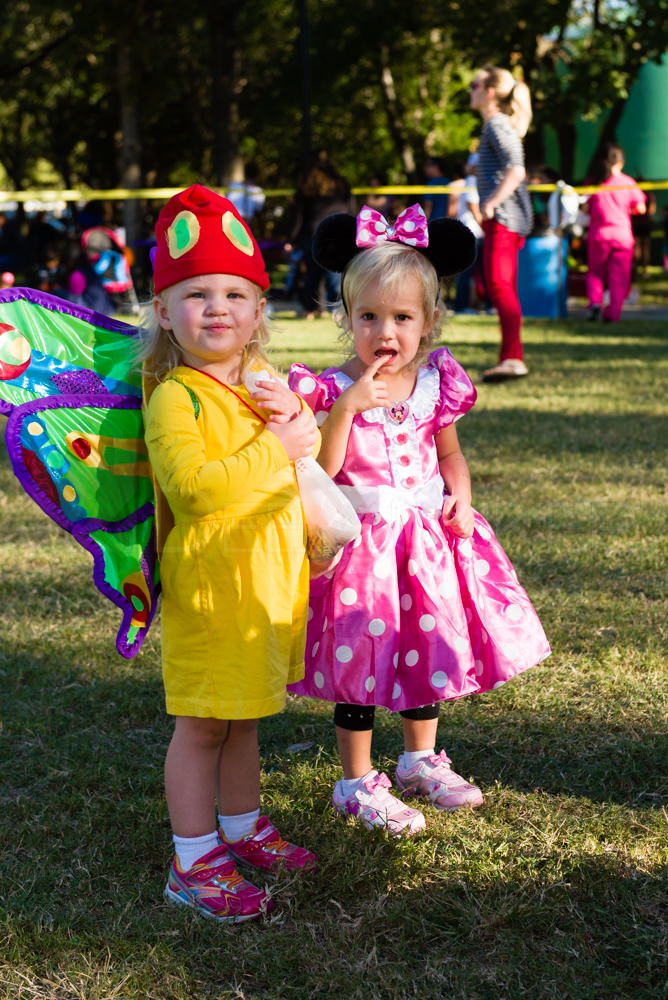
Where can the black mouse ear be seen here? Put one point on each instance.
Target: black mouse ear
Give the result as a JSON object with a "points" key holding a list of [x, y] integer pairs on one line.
{"points": [[334, 242], [452, 247]]}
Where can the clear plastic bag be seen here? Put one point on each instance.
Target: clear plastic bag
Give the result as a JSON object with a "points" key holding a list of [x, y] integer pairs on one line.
{"points": [[331, 519]]}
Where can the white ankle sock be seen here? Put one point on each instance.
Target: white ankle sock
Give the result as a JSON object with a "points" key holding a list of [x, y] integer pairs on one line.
{"points": [[409, 758], [349, 785], [236, 827], [191, 849]]}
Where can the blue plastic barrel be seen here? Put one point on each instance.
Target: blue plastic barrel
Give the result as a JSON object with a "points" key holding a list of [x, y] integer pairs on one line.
{"points": [[542, 273]]}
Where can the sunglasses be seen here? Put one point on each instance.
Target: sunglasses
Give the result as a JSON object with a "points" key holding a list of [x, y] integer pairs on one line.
{"points": [[475, 84]]}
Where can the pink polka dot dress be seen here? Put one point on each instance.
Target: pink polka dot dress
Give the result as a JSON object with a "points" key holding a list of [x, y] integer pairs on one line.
{"points": [[411, 614]]}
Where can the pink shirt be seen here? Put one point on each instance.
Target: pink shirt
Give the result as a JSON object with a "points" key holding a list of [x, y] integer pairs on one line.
{"points": [[610, 211]]}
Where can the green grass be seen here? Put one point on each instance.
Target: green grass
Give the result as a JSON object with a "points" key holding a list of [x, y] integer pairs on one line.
{"points": [[555, 888]]}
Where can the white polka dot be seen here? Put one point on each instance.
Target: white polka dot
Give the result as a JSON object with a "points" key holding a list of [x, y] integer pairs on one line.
{"points": [[409, 226], [344, 654], [447, 587], [316, 647], [478, 667], [411, 657], [396, 691], [381, 569], [461, 644], [465, 549], [318, 680], [395, 660], [379, 227], [514, 612], [483, 532], [309, 613], [325, 624], [481, 567], [439, 679], [320, 417], [427, 623], [370, 684], [483, 635], [498, 685], [348, 595], [306, 384], [406, 602], [461, 385], [412, 567], [376, 626], [365, 214], [411, 241], [469, 615], [363, 235]]}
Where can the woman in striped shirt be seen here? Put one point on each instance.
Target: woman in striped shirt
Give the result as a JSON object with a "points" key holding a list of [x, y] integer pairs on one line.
{"points": [[505, 106]]}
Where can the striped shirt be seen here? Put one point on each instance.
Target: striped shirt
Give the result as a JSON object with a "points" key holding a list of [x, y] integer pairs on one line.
{"points": [[500, 148]]}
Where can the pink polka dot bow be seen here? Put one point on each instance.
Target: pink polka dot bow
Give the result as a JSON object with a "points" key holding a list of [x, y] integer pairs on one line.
{"points": [[410, 228]]}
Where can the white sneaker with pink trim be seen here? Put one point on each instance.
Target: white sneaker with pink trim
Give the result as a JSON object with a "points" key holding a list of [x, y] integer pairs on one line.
{"points": [[375, 806], [433, 778]]}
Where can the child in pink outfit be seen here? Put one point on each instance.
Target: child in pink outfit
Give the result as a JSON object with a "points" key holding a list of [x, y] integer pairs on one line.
{"points": [[610, 240], [425, 605]]}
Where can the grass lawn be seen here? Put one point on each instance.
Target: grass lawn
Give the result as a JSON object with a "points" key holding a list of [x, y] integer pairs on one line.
{"points": [[556, 888]]}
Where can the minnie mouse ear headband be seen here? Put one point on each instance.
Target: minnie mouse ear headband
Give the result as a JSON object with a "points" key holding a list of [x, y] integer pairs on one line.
{"points": [[447, 244], [200, 232]]}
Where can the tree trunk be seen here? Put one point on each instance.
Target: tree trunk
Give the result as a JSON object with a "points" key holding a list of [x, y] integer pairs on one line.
{"points": [[130, 149], [395, 117], [225, 73]]}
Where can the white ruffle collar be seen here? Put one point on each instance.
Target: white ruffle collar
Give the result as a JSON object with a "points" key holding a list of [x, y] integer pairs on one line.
{"points": [[421, 403]]}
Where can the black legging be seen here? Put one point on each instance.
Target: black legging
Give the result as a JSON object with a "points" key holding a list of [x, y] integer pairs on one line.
{"points": [[360, 718]]}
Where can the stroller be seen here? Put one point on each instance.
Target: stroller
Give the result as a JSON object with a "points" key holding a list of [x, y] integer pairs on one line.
{"points": [[108, 257]]}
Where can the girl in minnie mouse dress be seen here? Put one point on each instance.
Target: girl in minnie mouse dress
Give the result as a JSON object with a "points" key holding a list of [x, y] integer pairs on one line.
{"points": [[424, 606]]}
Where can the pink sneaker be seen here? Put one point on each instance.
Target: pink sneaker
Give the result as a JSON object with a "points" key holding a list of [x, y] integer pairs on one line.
{"points": [[264, 848], [214, 888], [376, 807], [434, 778]]}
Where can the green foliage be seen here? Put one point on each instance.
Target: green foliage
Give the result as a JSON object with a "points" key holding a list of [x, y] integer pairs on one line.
{"points": [[207, 86]]}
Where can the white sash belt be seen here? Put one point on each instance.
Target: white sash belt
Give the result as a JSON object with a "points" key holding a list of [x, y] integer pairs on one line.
{"points": [[391, 501]]}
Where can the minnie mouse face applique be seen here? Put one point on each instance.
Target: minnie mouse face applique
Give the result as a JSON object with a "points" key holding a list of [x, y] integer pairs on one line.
{"points": [[398, 412]]}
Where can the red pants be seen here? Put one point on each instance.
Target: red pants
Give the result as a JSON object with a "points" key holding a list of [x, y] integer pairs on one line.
{"points": [[609, 266], [500, 249]]}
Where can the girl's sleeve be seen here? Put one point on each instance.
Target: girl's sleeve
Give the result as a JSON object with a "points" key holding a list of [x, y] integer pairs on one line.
{"points": [[457, 392], [190, 482], [319, 391]]}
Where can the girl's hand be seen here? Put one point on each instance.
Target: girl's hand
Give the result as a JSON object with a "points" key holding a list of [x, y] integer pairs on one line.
{"points": [[275, 396], [458, 516], [487, 210], [298, 436], [367, 392]]}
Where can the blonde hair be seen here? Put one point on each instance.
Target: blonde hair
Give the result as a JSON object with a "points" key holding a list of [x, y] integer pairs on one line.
{"points": [[390, 264], [512, 96], [159, 352]]}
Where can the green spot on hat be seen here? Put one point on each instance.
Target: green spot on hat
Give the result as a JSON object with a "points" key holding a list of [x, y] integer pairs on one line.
{"points": [[183, 234], [237, 234]]}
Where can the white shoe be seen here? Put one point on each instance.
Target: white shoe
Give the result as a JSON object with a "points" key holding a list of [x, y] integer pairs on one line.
{"points": [[505, 370]]}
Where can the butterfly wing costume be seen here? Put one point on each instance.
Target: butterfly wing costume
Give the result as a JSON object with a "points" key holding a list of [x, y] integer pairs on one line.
{"points": [[72, 393]]}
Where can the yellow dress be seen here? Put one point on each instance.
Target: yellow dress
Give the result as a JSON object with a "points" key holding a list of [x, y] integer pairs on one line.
{"points": [[234, 573]]}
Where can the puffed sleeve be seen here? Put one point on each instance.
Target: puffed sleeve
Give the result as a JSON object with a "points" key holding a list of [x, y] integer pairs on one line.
{"points": [[319, 391], [189, 480], [457, 392]]}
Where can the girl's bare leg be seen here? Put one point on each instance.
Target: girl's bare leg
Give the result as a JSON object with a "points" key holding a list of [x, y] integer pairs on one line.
{"points": [[196, 758], [355, 751]]}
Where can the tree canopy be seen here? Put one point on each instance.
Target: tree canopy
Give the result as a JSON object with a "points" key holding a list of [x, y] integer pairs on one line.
{"points": [[136, 94]]}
